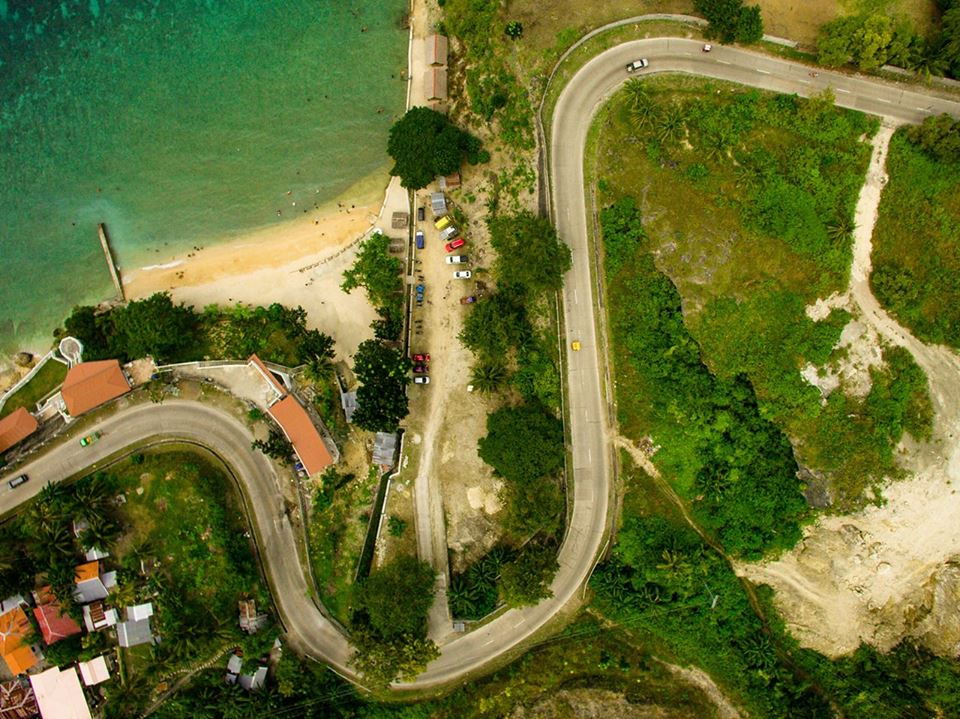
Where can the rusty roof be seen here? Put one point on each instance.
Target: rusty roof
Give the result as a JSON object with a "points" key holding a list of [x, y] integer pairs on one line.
{"points": [[302, 433], [16, 427], [85, 572], [90, 384]]}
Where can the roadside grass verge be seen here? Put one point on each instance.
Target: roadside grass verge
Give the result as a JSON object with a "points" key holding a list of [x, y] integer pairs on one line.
{"points": [[50, 376], [338, 526], [916, 260], [747, 202]]}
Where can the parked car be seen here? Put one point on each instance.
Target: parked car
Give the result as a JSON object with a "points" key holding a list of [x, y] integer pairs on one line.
{"points": [[419, 239], [637, 65], [421, 213], [447, 232], [90, 439], [420, 368], [457, 259], [17, 481], [421, 358], [468, 300], [442, 222], [454, 244], [422, 379], [462, 275]]}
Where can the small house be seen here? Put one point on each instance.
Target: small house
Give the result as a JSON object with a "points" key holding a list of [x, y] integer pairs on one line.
{"points": [[95, 671], [255, 681], [348, 400], [437, 49], [384, 450], [17, 700], [136, 629], [250, 621], [438, 204], [435, 84], [92, 583], [15, 633], [91, 384], [234, 664], [16, 427], [96, 616], [54, 623]]}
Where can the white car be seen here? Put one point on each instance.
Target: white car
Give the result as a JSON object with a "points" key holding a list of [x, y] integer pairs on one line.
{"points": [[462, 275], [447, 232], [637, 65], [421, 379], [456, 259]]}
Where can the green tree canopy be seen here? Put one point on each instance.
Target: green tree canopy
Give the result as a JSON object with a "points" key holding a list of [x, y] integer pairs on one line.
{"points": [[397, 597], [526, 580], [731, 20], [424, 143], [153, 327], [523, 443], [529, 253], [938, 137], [383, 376], [377, 271]]}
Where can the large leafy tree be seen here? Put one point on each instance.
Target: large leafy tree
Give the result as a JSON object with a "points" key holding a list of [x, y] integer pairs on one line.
{"points": [[731, 20], [526, 580], [529, 253], [523, 443], [424, 143], [381, 397], [377, 271], [390, 621], [153, 327]]}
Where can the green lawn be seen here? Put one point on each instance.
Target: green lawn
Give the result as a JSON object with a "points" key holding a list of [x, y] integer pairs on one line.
{"points": [[916, 244], [50, 376]]}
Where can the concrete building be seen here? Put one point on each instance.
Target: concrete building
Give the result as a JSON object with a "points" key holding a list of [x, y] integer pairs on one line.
{"points": [[59, 694], [95, 671]]}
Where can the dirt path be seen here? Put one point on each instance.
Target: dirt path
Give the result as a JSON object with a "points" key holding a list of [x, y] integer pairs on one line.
{"points": [[884, 572]]}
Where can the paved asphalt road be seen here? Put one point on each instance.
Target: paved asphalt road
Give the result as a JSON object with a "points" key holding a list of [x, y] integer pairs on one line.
{"points": [[308, 629]]}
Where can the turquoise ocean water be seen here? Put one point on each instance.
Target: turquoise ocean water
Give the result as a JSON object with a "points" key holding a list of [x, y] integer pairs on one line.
{"points": [[176, 122]]}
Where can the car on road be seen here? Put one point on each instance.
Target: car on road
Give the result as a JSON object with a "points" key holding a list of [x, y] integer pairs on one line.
{"points": [[468, 300], [638, 64], [422, 379], [17, 481], [454, 244], [457, 259], [462, 275], [419, 239], [90, 439], [421, 358], [575, 345]]}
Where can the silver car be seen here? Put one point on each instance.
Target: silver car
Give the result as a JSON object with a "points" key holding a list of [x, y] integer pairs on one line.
{"points": [[462, 275]]}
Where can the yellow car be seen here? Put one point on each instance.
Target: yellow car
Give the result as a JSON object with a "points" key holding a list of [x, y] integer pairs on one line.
{"points": [[575, 345]]}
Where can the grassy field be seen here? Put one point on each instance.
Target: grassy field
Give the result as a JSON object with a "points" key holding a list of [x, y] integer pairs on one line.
{"points": [[338, 525], [50, 376], [916, 244], [747, 201]]}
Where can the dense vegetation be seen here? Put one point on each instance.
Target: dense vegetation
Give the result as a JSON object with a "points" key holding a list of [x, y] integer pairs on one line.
{"points": [[383, 373], [774, 180], [167, 332], [916, 271], [379, 273], [731, 20], [389, 624], [424, 144], [874, 37]]}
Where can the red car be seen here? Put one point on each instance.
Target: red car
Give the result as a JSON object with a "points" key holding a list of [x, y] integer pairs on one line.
{"points": [[421, 358], [454, 244]]}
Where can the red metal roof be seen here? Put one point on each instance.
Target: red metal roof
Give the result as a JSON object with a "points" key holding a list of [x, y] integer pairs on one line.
{"points": [[90, 384], [16, 427], [54, 624], [302, 433]]}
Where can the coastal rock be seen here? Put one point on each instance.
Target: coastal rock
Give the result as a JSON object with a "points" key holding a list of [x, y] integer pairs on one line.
{"points": [[23, 359]]}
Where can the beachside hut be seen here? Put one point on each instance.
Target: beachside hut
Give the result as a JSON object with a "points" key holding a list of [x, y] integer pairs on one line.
{"points": [[435, 84], [437, 50]]}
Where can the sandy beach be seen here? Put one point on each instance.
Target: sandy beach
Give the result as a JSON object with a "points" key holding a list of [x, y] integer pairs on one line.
{"points": [[300, 262]]}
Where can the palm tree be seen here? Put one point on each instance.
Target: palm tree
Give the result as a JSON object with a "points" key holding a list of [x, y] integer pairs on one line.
{"points": [[91, 496], [462, 598], [102, 532], [717, 145], [488, 376], [671, 124], [636, 93], [841, 228]]}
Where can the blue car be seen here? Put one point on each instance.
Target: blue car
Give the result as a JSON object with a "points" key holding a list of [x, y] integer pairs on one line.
{"points": [[419, 239]]}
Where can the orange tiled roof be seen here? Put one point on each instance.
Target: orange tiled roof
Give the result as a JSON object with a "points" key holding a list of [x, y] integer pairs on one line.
{"points": [[90, 384], [301, 432], [15, 427], [90, 570], [14, 628], [267, 374]]}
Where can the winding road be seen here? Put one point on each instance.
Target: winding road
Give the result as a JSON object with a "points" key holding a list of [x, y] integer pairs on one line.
{"points": [[307, 628]]}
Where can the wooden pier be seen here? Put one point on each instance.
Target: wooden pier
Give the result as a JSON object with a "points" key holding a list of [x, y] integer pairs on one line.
{"points": [[111, 265]]}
